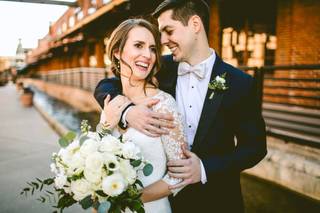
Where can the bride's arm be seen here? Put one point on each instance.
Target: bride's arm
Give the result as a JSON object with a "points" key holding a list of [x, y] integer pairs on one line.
{"points": [[155, 191], [173, 144]]}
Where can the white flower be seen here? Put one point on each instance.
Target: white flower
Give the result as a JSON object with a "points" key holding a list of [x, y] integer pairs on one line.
{"points": [[74, 145], [111, 161], [76, 164], [220, 80], [60, 180], [53, 168], [130, 150], [93, 166], [93, 135], [128, 171], [113, 185], [89, 146], [80, 188], [94, 161], [93, 176], [111, 144]]}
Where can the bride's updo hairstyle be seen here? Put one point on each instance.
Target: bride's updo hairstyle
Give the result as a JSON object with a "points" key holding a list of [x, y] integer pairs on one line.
{"points": [[118, 40]]}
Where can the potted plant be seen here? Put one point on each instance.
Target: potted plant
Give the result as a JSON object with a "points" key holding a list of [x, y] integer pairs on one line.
{"points": [[26, 97]]}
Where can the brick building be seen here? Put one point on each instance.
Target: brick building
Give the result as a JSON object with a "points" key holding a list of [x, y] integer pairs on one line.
{"points": [[266, 34]]}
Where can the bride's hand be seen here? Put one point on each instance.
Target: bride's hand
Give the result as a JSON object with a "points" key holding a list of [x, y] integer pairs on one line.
{"points": [[112, 109]]}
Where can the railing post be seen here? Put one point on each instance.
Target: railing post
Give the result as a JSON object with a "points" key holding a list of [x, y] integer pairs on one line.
{"points": [[259, 76], [81, 78]]}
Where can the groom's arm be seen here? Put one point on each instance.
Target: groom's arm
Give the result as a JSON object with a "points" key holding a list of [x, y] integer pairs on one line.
{"points": [[140, 117], [107, 86]]}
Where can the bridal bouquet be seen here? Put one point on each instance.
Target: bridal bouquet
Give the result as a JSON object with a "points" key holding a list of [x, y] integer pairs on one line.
{"points": [[94, 170]]}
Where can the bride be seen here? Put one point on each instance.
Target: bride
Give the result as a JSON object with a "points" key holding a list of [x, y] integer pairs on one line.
{"points": [[134, 50]]}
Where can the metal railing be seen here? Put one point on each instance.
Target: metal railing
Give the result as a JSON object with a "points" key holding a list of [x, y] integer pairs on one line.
{"points": [[290, 101], [85, 78], [285, 117]]}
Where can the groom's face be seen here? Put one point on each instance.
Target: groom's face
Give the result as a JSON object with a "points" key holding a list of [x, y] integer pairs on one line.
{"points": [[176, 36]]}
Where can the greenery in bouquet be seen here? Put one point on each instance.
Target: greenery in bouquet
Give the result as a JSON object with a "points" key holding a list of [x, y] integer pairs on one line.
{"points": [[94, 170]]}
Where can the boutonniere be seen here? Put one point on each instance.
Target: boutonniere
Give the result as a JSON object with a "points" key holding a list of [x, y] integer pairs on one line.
{"points": [[218, 84]]}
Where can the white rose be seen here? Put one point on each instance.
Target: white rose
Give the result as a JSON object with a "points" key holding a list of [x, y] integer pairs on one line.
{"points": [[93, 135], [73, 146], [221, 80], [94, 161], [76, 164], [114, 184], [80, 188], [111, 161], [64, 155], [89, 146], [128, 171], [93, 176], [111, 144], [130, 150], [60, 180]]}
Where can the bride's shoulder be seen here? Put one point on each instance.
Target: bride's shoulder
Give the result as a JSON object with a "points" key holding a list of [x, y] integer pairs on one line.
{"points": [[162, 95], [166, 100]]}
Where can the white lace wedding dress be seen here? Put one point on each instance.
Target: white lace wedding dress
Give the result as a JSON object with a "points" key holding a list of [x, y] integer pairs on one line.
{"points": [[159, 150]]}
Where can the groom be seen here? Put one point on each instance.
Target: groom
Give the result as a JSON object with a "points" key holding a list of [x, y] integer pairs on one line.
{"points": [[225, 129]]}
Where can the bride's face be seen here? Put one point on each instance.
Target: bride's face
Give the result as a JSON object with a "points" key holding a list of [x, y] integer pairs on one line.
{"points": [[139, 54]]}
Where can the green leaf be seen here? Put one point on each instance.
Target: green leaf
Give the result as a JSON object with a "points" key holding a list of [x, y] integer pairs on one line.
{"points": [[136, 204], [104, 207], [49, 192], [147, 169], [65, 201], [70, 136], [141, 210], [41, 187], [63, 142], [35, 184], [48, 181], [101, 193], [139, 183], [26, 189], [86, 202], [135, 163]]}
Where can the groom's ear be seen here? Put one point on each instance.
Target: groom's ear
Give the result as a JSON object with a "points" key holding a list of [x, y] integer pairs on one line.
{"points": [[196, 23]]}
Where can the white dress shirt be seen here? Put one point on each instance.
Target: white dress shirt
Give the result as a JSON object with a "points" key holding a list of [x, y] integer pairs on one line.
{"points": [[190, 95]]}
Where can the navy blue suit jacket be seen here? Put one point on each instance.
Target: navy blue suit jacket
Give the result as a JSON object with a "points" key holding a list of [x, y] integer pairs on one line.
{"points": [[229, 115]]}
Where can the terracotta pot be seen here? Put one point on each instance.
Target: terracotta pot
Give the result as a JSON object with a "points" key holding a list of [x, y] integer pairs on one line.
{"points": [[26, 99]]}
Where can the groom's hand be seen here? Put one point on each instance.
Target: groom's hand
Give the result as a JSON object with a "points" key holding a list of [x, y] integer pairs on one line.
{"points": [[188, 169], [151, 123]]}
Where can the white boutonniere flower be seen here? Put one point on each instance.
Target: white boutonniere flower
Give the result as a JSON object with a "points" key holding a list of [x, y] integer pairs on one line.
{"points": [[218, 84]]}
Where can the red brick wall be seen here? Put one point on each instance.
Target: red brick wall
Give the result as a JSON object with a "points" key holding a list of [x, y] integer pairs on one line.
{"points": [[298, 33]]}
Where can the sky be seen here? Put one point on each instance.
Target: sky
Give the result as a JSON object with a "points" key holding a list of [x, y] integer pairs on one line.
{"points": [[27, 21]]}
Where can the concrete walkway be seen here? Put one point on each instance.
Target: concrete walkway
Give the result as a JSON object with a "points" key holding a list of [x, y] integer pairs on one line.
{"points": [[26, 145]]}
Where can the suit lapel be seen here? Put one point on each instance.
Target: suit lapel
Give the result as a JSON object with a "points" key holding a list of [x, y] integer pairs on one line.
{"points": [[210, 107]]}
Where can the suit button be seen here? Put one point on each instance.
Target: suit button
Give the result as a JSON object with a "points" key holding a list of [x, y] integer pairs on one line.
{"points": [[189, 126]]}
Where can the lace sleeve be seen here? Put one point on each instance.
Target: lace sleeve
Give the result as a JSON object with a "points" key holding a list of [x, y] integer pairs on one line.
{"points": [[176, 138]]}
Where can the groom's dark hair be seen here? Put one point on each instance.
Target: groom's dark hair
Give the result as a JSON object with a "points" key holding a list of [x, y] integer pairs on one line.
{"points": [[184, 9]]}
